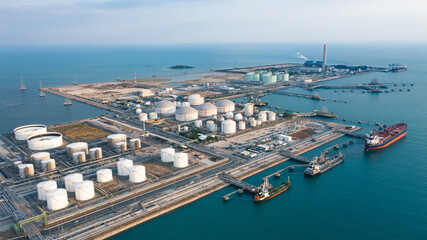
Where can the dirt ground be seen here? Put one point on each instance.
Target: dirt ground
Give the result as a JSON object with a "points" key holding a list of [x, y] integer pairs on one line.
{"points": [[303, 133], [80, 132]]}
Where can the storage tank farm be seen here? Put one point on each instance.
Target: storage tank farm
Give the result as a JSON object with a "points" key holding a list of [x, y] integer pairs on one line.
{"points": [[115, 138], [104, 175], [37, 158], [77, 147]]}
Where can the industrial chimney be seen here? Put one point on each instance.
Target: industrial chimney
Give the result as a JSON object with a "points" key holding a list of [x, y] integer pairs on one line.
{"points": [[324, 57]]}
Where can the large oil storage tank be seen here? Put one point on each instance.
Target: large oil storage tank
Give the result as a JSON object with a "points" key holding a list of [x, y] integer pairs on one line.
{"points": [[271, 116], [77, 147], [44, 187], [225, 105], [196, 99], [71, 180], [252, 123], [79, 157], [48, 165], [185, 104], [95, 153], [37, 158], [167, 154], [143, 117], [273, 78], [115, 138], [85, 190], [242, 125], [262, 116], [104, 175], [228, 127], [165, 107], [137, 174], [138, 111], [180, 160], [44, 141], [186, 114], [286, 77], [23, 132], [123, 167], [211, 125], [57, 199], [135, 143], [249, 109], [207, 110], [238, 117], [256, 77], [267, 78], [250, 77], [280, 76]]}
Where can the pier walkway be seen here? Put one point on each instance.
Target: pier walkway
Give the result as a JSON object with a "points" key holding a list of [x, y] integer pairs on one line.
{"points": [[294, 157], [351, 134], [238, 183]]}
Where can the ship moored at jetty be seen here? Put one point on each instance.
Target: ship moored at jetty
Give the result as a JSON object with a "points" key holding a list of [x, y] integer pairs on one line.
{"points": [[396, 67], [385, 137], [267, 191], [322, 164]]}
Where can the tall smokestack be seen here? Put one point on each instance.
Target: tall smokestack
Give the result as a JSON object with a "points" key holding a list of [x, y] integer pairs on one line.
{"points": [[324, 56]]}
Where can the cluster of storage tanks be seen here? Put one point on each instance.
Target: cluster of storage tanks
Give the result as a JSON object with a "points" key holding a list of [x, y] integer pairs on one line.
{"points": [[119, 142], [37, 137], [267, 77], [180, 160]]}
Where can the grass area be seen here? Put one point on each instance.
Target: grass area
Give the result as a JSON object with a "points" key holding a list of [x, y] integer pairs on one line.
{"points": [[81, 132]]}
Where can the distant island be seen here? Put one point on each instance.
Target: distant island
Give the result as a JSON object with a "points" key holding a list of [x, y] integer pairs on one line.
{"points": [[180, 67]]}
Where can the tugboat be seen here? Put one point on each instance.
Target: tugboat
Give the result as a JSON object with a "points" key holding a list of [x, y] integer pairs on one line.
{"points": [[42, 94], [385, 137], [322, 164], [68, 102], [267, 191]]}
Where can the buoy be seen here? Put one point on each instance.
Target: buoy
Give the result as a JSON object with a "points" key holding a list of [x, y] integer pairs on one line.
{"points": [[277, 175]]}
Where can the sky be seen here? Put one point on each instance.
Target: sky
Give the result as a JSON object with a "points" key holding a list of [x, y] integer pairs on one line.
{"points": [[76, 22]]}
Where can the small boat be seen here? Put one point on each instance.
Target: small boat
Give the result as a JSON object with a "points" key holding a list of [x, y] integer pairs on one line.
{"points": [[23, 88], [68, 102], [42, 94]]}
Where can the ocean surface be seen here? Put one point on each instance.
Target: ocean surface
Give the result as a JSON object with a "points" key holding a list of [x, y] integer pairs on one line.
{"points": [[374, 195]]}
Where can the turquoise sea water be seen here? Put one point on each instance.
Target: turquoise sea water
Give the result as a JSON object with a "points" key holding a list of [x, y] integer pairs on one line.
{"points": [[375, 195]]}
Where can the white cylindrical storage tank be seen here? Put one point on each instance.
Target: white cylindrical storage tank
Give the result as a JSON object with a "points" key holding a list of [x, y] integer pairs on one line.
{"points": [[228, 127], [238, 117], [57, 199], [121, 147], [249, 109], [95, 153], [137, 174], [198, 123], [186, 114], [178, 104], [286, 77], [29, 170], [207, 110], [167, 154], [21, 168], [135, 143], [262, 116], [229, 115], [23, 132], [37, 158], [138, 111], [271, 116], [85, 190], [180, 160], [152, 115], [44, 141], [77, 147], [253, 122], [273, 78], [123, 167], [71, 180], [165, 107], [250, 76], [242, 125], [138, 106], [213, 127], [44, 187], [104, 175], [195, 99], [17, 163], [115, 138], [185, 104], [79, 157], [143, 117], [48, 165], [225, 105], [259, 122]]}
